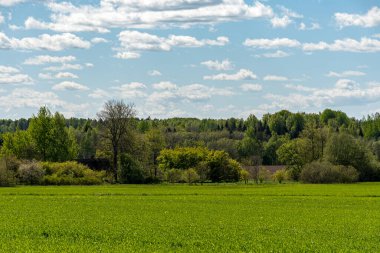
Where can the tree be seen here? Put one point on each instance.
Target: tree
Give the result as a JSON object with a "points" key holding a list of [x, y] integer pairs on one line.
{"points": [[156, 142], [40, 131], [115, 119]]}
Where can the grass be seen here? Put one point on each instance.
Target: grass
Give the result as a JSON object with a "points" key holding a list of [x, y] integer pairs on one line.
{"points": [[181, 218]]}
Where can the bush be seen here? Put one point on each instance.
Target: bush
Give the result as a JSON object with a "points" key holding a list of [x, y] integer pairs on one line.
{"points": [[70, 173], [264, 174], [191, 176], [280, 175], [174, 176], [131, 172], [325, 172], [7, 176], [30, 173]]}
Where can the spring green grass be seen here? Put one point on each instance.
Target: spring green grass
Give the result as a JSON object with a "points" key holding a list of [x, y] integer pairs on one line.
{"points": [[182, 218]]}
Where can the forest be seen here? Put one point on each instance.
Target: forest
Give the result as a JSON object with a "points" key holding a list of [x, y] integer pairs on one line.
{"points": [[118, 147]]}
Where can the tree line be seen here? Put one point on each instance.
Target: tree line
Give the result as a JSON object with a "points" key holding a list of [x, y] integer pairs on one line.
{"points": [[315, 147]]}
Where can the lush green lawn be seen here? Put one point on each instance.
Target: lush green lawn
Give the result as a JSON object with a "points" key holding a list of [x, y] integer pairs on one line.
{"points": [[223, 218]]}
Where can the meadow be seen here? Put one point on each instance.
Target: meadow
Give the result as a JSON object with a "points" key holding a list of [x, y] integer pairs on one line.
{"points": [[183, 218]]}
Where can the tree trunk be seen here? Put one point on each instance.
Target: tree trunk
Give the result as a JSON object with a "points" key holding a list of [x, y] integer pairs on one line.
{"points": [[115, 153]]}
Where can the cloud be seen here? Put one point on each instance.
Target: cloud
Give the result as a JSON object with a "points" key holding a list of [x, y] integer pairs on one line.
{"points": [[11, 75], [57, 42], [127, 55], [98, 40], [282, 22], [99, 94], [370, 19], [65, 75], [365, 45], [26, 97], [154, 73], [130, 90], [133, 42], [286, 19], [1, 18], [164, 86], [347, 73], [345, 92], [271, 43], [70, 86], [129, 14], [313, 26], [275, 78], [277, 54], [251, 87], [63, 67], [242, 74], [44, 59], [8, 3], [216, 65]]}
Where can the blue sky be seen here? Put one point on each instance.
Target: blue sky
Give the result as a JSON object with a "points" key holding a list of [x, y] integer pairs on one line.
{"points": [[189, 58]]}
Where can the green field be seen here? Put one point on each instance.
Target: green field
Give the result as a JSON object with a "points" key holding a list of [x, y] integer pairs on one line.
{"points": [[212, 218]]}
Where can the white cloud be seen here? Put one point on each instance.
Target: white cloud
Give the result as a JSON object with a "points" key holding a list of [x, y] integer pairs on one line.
{"points": [[164, 86], [251, 87], [277, 54], [57, 42], [365, 45], [313, 26], [275, 78], [10, 2], [347, 73], [65, 75], [286, 19], [127, 55], [71, 86], [242, 74], [11, 75], [26, 97], [154, 73], [271, 43], [43, 59], [370, 19], [133, 42], [282, 22], [8, 69], [299, 87], [130, 90], [218, 65], [99, 94], [98, 40], [1, 18], [146, 14], [64, 66], [344, 92]]}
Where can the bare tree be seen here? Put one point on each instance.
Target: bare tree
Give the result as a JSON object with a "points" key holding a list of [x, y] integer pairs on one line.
{"points": [[116, 118]]}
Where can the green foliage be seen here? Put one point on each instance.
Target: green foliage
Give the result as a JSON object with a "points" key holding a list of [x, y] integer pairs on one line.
{"points": [[130, 170], [70, 173], [174, 176], [344, 149], [325, 172], [264, 174], [295, 154], [19, 144], [222, 168], [280, 175], [30, 173], [181, 158], [7, 175], [191, 176]]}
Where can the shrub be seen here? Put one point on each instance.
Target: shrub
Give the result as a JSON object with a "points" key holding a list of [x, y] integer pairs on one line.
{"points": [[280, 175], [30, 173], [174, 176], [244, 175], [7, 176], [191, 176], [325, 172], [70, 173], [264, 174], [130, 170]]}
